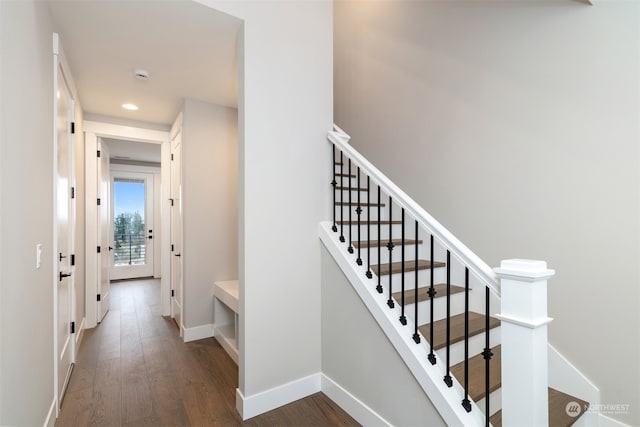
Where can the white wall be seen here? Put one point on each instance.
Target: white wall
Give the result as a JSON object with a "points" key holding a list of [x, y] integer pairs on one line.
{"points": [[26, 170], [285, 109], [210, 205], [516, 125], [354, 348]]}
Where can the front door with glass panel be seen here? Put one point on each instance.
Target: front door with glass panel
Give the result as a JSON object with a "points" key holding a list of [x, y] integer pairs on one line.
{"points": [[132, 225]]}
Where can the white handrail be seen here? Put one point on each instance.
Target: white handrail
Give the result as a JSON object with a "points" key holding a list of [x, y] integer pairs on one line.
{"points": [[480, 269]]}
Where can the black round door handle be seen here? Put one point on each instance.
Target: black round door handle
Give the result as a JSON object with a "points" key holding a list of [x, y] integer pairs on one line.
{"points": [[150, 237]]}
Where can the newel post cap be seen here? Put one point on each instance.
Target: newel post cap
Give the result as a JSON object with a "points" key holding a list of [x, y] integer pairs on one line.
{"points": [[524, 269]]}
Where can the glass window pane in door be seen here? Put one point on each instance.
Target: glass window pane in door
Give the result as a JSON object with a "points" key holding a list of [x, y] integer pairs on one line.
{"points": [[129, 222]]}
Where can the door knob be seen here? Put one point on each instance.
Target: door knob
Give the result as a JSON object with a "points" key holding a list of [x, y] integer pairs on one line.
{"points": [[63, 275], [110, 248], [62, 256]]}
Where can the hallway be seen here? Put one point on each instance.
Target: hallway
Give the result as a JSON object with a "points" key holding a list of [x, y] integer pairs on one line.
{"points": [[133, 370]]}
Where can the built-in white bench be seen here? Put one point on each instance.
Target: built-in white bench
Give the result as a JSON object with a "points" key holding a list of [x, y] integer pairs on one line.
{"points": [[226, 316]]}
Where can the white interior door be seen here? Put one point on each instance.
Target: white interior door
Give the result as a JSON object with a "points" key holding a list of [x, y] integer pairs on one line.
{"points": [[104, 231], [64, 223], [176, 231], [132, 224]]}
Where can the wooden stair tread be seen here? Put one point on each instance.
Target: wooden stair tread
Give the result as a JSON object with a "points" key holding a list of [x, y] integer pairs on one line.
{"points": [[372, 222], [476, 326], [346, 175], [339, 187], [558, 416], [440, 288], [396, 267], [383, 242], [477, 374], [358, 204]]}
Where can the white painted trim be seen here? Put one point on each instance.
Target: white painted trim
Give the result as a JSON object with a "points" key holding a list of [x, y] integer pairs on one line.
{"points": [[524, 323], [564, 376], [129, 133], [198, 332], [50, 421], [476, 265], [446, 400], [93, 130], [259, 403], [351, 404]]}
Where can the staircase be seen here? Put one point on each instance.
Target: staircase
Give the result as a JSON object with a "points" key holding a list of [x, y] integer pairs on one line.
{"points": [[440, 294]]}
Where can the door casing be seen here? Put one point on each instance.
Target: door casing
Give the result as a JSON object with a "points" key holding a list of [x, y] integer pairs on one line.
{"points": [[94, 130]]}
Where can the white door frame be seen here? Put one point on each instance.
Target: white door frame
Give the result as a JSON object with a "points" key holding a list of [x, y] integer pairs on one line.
{"points": [[60, 66], [93, 131]]}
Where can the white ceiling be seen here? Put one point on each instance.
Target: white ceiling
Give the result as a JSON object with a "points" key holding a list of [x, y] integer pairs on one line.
{"points": [[189, 49]]}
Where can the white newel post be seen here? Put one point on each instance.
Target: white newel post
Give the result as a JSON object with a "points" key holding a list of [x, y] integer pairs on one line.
{"points": [[524, 342]]}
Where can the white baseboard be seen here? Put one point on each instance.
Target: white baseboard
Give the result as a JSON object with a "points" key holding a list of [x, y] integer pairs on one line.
{"points": [[50, 421], [351, 404], [259, 403], [198, 332], [565, 376]]}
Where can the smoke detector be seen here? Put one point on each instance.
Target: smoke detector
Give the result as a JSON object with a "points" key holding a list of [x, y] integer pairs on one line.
{"points": [[141, 74]]}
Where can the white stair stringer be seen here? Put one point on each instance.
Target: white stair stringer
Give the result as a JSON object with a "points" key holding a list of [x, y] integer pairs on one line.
{"points": [[430, 377]]}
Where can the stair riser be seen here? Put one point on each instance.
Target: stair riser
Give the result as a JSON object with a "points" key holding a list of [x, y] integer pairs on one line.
{"points": [[363, 215], [424, 277], [476, 346], [439, 308], [396, 254], [495, 402], [384, 229]]}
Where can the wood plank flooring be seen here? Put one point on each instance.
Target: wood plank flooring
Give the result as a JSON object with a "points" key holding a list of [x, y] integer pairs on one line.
{"points": [[134, 370]]}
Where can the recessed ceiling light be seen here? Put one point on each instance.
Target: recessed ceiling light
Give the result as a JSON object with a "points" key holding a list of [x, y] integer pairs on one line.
{"points": [[130, 107]]}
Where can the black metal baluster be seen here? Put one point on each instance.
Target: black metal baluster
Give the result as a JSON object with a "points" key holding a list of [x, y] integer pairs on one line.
{"points": [[350, 249], [416, 337], [341, 198], [359, 211], [432, 294], [390, 246], [466, 404], [447, 378], [334, 184], [403, 318], [487, 354], [379, 287], [368, 274]]}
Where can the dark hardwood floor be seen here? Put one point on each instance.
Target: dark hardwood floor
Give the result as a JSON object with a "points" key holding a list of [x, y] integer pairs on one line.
{"points": [[133, 370]]}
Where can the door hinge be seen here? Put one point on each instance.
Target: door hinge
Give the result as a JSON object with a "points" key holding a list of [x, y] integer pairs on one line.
{"points": [[73, 127], [73, 327], [98, 154], [98, 201], [98, 249], [172, 247], [171, 156], [73, 192], [173, 293], [98, 297], [73, 259]]}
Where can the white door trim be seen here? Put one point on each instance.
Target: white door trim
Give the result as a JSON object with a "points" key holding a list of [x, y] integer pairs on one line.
{"points": [[93, 130]]}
